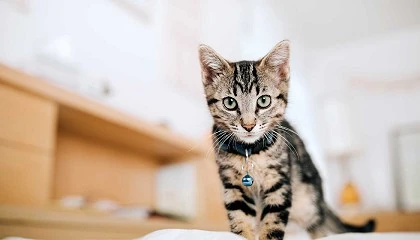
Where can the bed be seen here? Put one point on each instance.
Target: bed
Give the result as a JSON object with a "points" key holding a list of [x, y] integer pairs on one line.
{"points": [[178, 234]]}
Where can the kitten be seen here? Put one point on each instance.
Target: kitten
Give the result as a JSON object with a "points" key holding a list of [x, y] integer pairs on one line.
{"points": [[248, 100]]}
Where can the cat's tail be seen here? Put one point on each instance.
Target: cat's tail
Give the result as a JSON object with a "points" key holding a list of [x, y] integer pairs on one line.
{"points": [[369, 226], [336, 225]]}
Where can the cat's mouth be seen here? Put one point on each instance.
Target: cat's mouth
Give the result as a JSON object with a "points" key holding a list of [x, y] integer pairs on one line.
{"points": [[249, 137]]}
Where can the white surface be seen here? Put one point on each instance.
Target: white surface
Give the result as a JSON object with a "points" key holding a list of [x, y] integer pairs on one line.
{"points": [[105, 205], [74, 202], [132, 212], [176, 189], [408, 167], [339, 134], [108, 42], [375, 236], [387, 58], [178, 234]]}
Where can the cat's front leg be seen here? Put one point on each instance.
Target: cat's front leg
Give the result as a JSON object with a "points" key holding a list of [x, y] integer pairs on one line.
{"points": [[275, 212], [241, 211]]}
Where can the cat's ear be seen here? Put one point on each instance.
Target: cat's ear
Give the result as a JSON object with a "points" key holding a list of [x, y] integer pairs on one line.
{"points": [[212, 64], [277, 60]]}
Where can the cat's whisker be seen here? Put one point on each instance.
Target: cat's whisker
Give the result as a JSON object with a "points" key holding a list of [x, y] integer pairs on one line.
{"points": [[231, 139], [221, 144], [218, 132], [264, 137], [288, 141], [288, 129], [289, 145], [218, 138], [225, 139], [286, 132], [222, 139], [211, 135]]}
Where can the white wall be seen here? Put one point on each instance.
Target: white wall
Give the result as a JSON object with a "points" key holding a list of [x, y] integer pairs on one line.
{"points": [[106, 41], [151, 66], [359, 72]]}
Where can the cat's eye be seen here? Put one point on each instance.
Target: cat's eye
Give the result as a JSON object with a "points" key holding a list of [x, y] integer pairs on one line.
{"points": [[264, 101], [230, 103]]}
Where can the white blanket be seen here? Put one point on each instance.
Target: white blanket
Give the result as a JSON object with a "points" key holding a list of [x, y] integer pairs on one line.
{"points": [[375, 236], [178, 234]]}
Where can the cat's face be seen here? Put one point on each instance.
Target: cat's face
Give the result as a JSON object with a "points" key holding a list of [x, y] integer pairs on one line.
{"points": [[246, 98]]}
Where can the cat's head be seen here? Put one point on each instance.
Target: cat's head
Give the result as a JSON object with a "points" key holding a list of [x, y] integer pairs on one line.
{"points": [[246, 98]]}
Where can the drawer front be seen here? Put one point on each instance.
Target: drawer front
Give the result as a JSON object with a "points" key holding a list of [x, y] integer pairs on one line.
{"points": [[26, 119], [25, 176]]}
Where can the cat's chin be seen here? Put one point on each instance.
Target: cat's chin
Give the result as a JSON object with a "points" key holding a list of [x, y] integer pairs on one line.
{"points": [[249, 138]]}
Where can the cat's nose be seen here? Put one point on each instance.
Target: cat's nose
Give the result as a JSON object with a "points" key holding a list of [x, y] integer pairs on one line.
{"points": [[249, 126]]}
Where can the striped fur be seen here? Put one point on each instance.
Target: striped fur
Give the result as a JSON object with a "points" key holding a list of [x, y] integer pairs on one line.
{"points": [[287, 184]]}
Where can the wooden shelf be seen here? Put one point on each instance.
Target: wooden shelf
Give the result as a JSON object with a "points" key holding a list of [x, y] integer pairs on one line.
{"points": [[76, 146], [388, 221], [70, 222], [93, 119]]}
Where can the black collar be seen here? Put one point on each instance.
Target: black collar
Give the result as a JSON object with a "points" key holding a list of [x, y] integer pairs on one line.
{"points": [[237, 147]]}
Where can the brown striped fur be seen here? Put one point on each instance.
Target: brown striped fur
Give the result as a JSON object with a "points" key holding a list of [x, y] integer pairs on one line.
{"points": [[287, 184]]}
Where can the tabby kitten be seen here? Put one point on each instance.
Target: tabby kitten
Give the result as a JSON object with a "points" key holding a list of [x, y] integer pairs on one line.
{"points": [[248, 100]]}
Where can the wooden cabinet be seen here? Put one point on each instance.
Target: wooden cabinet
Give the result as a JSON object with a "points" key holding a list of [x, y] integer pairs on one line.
{"points": [[26, 120], [103, 171], [27, 138], [25, 176], [55, 143], [50, 223], [73, 145]]}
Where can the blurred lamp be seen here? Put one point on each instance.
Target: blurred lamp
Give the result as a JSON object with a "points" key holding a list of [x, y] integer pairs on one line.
{"points": [[340, 145]]}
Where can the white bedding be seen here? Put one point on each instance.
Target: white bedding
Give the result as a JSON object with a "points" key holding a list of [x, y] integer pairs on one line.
{"points": [[375, 236], [178, 234]]}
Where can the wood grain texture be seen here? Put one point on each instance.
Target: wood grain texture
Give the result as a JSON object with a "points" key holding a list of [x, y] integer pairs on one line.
{"points": [[56, 232], [98, 128], [57, 143], [86, 115], [389, 221], [99, 170], [210, 204], [25, 176], [50, 223], [210, 194], [26, 119]]}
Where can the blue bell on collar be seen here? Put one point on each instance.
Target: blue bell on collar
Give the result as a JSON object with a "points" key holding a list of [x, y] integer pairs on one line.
{"points": [[247, 180]]}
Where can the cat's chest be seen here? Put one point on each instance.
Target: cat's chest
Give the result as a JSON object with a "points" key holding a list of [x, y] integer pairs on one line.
{"points": [[259, 168]]}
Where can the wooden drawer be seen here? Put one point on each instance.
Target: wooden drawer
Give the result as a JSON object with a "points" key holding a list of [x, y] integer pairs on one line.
{"points": [[35, 231], [26, 119], [25, 176], [102, 171]]}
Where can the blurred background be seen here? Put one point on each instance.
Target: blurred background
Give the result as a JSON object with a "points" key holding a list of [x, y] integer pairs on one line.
{"points": [[102, 108]]}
